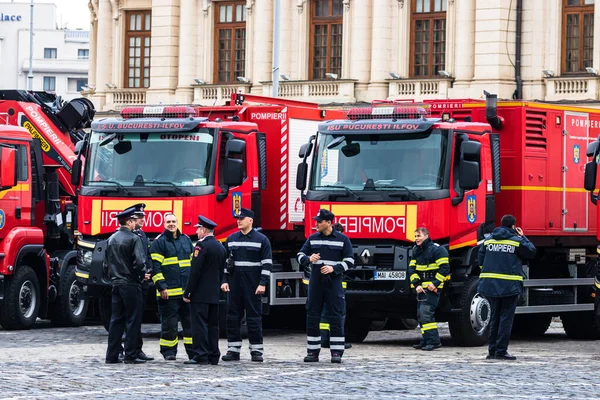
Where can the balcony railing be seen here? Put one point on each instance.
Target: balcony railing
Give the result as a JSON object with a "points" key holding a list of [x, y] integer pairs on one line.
{"points": [[572, 88], [207, 95], [116, 99], [419, 89], [337, 91]]}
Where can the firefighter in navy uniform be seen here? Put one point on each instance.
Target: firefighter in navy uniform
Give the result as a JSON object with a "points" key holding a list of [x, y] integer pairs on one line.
{"points": [[203, 293], [330, 253], [139, 214], [428, 269], [501, 281], [125, 258], [171, 254], [245, 283]]}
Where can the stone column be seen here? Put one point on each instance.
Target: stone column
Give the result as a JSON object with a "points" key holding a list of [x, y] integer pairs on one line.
{"points": [[401, 33], [286, 47], [262, 44], [164, 63], [300, 66], [93, 7], [187, 51], [381, 49], [104, 47], [360, 52], [463, 47]]}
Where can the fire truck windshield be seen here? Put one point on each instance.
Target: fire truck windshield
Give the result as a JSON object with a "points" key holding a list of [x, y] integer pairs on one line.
{"points": [[145, 159], [416, 162]]}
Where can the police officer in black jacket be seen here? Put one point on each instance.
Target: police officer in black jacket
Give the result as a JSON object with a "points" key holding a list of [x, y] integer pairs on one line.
{"points": [[125, 257], [330, 253], [203, 293], [245, 284], [139, 224], [501, 281]]}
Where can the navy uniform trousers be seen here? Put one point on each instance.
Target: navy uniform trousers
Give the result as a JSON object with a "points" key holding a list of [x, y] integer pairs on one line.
{"points": [[171, 312], [242, 297], [427, 304], [126, 317], [325, 290]]}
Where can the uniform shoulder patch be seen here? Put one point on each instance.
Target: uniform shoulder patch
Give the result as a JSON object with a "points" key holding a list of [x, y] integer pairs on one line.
{"points": [[197, 251]]}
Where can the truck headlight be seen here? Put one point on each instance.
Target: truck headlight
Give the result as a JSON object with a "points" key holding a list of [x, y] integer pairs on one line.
{"points": [[85, 257]]}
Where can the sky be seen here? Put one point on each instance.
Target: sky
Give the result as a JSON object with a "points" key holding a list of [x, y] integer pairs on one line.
{"points": [[71, 14]]}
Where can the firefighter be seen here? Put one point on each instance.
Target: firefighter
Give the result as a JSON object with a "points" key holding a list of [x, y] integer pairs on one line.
{"points": [[428, 269], [501, 281], [139, 214], [324, 325], [330, 254], [203, 293], [125, 259], [245, 284], [171, 254]]}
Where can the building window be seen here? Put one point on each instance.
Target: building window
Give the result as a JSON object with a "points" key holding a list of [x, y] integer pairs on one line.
{"points": [[428, 42], [326, 38], [137, 49], [50, 83], [83, 54], [49, 53], [230, 41], [578, 35]]}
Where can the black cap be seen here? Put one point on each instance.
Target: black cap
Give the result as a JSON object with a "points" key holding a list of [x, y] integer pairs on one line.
{"points": [[126, 214], [139, 209], [324, 215], [245, 212], [205, 222]]}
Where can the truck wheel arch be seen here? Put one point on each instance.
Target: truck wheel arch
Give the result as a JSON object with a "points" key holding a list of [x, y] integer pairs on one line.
{"points": [[33, 255]]}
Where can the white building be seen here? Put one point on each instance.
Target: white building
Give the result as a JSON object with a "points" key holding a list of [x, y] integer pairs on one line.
{"points": [[148, 51], [60, 57]]}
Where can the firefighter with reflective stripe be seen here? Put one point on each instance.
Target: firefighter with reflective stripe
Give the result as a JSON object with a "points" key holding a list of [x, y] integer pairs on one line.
{"points": [[330, 253], [245, 282], [428, 269], [324, 325], [171, 254], [501, 281]]}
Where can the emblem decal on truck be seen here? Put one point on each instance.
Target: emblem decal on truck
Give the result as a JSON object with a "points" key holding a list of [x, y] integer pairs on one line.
{"points": [[236, 203], [2, 219], [576, 154], [471, 208]]}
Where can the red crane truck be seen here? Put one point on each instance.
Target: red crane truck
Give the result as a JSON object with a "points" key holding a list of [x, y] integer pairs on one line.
{"points": [[38, 208], [456, 167]]}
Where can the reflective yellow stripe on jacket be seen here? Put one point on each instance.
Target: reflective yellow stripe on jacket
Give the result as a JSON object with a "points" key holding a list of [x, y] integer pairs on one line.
{"points": [[508, 242], [172, 292], [490, 275]]}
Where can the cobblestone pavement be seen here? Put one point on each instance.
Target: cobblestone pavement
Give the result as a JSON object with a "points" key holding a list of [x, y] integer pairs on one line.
{"points": [[49, 362]]}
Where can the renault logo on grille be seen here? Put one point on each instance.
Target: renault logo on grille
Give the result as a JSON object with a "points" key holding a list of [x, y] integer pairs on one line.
{"points": [[365, 255]]}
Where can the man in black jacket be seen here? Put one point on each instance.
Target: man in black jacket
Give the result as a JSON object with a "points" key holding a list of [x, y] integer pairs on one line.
{"points": [[203, 293], [125, 258], [501, 281]]}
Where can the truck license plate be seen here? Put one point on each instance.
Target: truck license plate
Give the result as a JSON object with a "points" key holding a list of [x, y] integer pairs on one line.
{"points": [[389, 275]]}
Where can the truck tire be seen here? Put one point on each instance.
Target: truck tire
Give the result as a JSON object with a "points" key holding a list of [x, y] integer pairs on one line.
{"points": [[356, 330], [582, 325], [72, 303], [105, 308], [531, 325], [471, 325], [22, 298]]}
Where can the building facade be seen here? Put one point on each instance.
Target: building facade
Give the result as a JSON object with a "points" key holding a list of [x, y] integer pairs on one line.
{"points": [[332, 51], [60, 56]]}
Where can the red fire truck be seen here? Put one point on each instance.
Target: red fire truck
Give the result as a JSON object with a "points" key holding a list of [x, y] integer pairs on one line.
{"points": [[456, 167], [198, 160], [38, 133]]}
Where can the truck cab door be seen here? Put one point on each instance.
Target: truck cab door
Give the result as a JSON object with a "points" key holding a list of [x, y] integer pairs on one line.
{"points": [[9, 189]]}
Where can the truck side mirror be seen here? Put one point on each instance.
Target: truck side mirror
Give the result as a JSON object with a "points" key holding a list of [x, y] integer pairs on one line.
{"points": [[301, 176], [8, 171], [234, 172], [305, 150], [469, 174], [76, 172], [589, 179]]}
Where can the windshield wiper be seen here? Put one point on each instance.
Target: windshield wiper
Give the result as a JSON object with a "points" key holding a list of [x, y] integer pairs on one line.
{"points": [[398, 194], [121, 187], [175, 189], [348, 191]]}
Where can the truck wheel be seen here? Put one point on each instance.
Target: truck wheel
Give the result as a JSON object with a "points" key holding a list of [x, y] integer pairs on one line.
{"points": [[105, 308], [582, 325], [471, 325], [528, 325], [22, 297], [356, 330], [72, 303]]}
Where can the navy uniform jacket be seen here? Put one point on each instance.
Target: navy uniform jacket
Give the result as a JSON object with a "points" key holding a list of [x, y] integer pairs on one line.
{"points": [[500, 259], [251, 252], [208, 261], [335, 250], [171, 262], [428, 264]]}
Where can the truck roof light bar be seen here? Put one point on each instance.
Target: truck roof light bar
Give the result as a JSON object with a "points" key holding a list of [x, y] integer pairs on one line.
{"points": [[159, 111], [389, 110]]}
